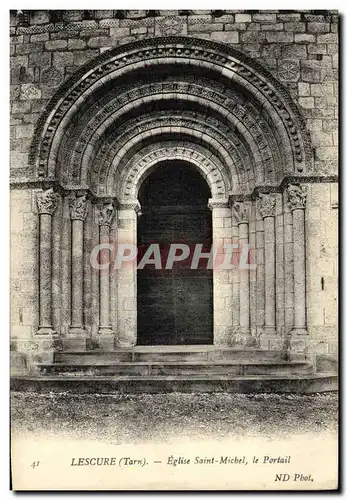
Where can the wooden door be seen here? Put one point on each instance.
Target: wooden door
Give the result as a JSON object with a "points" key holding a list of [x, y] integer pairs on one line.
{"points": [[175, 306]]}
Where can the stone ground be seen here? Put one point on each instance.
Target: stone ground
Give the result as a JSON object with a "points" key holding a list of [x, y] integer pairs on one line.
{"points": [[157, 418]]}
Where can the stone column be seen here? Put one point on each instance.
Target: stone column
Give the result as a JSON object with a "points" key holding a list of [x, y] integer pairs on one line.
{"points": [[47, 204], [222, 286], [105, 213], [78, 212], [126, 267], [266, 205], [243, 337], [297, 203]]}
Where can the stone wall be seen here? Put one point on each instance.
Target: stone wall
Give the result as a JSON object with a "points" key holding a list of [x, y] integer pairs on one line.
{"points": [[299, 48]]}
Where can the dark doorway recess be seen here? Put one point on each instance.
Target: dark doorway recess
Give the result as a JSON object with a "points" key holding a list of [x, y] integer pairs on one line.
{"points": [[175, 306]]}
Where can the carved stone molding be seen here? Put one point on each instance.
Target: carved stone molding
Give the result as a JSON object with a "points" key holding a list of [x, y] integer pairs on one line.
{"points": [[216, 203], [47, 201], [241, 210], [296, 196], [105, 213], [130, 205], [160, 151], [208, 53], [78, 206], [266, 204]]}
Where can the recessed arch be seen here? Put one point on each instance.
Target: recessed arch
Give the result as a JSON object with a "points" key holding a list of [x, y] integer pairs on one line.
{"points": [[205, 55], [135, 173]]}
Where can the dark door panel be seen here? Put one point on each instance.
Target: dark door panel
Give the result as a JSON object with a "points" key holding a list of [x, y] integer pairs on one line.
{"points": [[175, 306]]}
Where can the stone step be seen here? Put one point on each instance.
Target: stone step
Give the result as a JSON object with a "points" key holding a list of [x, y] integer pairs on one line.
{"points": [[180, 368], [305, 383], [168, 353]]}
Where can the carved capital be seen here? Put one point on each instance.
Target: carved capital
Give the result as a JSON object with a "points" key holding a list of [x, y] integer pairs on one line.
{"points": [[216, 203], [130, 205], [78, 206], [241, 210], [296, 195], [105, 213], [47, 201], [266, 204]]}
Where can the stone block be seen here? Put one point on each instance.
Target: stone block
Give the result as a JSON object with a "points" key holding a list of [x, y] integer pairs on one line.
{"points": [[318, 27], [329, 125], [295, 27], [230, 37], [61, 59], [139, 31], [304, 89], [328, 38], [18, 363], [76, 44], [304, 38], [29, 48], [39, 17], [40, 37], [206, 28], [30, 91], [322, 89], [40, 59], [52, 76], [252, 37], [119, 32], [89, 33], [24, 131], [306, 102], [100, 41], [279, 37], [56, 45], [293, 52], [243, 18], [17, 39], [289, 70], [74, 343], [270, 18], [272, 27]]}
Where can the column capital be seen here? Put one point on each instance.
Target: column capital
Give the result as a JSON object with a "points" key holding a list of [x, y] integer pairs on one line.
{"points": [[266, 204], [241, 210], [105, 212], [78, 206], [217, 203], [297, 195], [130, 205], [47, 201]]}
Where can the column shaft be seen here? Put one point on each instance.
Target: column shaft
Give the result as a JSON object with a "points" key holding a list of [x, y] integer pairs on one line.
{"points": [[244, 293], [299, 270], [77, 276], [45, 274], [270, 309], [47, 204], [104, 280], [127, 276]]}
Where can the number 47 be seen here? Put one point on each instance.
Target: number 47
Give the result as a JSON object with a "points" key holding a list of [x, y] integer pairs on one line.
{"points": [[35, 464]]}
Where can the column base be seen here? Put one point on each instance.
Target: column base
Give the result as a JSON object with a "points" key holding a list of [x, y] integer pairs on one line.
{"points": [[124, 344], [76, 339], [106, 339], [298, 341], [42, 350], [269, 331], [296, 332], [243, 338], [45, 330]]}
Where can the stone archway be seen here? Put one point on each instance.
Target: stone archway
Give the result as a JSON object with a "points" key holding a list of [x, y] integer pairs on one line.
{"points": [[171, 98]]}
